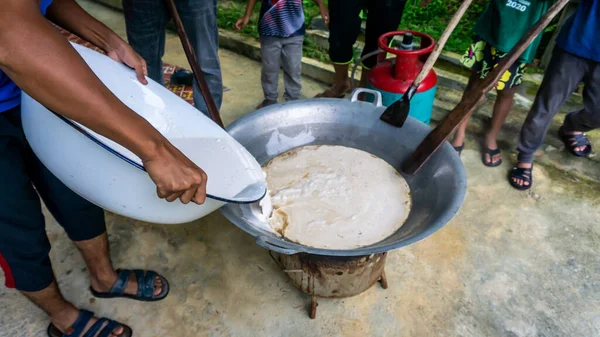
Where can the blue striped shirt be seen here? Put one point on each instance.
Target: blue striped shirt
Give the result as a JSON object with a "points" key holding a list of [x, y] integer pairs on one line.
{"points": [[281, 18]]}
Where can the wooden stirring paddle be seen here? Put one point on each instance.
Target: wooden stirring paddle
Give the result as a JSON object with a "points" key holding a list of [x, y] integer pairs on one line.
{"points": [[467, 105]]}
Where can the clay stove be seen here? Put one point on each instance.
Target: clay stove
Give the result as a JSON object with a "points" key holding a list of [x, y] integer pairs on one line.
{"points": [[332, 276]]}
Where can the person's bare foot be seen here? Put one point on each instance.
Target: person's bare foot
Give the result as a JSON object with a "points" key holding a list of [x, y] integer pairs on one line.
{"points": [[491, 144], [104, 283], [337, 90], [64, 320]]}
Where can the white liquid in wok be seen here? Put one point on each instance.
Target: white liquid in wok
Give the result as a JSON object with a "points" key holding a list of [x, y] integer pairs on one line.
{"points": [[335, 197]]}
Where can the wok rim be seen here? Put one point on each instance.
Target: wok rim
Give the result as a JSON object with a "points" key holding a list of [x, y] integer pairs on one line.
{"points": [[284, 246]]}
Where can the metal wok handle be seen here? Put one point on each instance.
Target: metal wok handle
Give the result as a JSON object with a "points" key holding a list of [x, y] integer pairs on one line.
{"points": [[263, 242], [378, 100]]}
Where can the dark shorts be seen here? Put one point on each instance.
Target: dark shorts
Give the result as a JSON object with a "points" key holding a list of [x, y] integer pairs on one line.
{"points": [[383, 16], [482, 57], [24, 246]]}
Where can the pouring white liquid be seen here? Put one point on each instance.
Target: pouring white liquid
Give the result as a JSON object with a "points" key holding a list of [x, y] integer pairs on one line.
{"points": [[266, 206], [334, 197]]}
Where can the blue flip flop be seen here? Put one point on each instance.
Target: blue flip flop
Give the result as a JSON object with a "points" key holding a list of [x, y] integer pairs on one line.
{"points": [[96, 330], [182, 77], [145, 292], [491, 153]]}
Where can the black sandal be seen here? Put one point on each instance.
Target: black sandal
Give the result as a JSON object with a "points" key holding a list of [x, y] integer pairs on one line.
{"points": [[329, 94], [574, 141], [523, 174], [145, 281], [96, 330], [491, 153]]}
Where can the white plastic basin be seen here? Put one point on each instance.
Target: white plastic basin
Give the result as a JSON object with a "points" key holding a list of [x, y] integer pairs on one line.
{"points": [[112, 177]]}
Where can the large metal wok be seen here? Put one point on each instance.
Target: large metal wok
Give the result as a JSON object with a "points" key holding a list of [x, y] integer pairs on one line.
{"points": [[437, 190]]}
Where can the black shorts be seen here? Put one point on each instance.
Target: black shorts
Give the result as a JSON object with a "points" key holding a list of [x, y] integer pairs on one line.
{"points": [[24, 246], [383, 16]]}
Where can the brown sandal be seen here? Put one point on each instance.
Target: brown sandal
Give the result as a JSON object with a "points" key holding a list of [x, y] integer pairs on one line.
{"points": [[329, 94]]}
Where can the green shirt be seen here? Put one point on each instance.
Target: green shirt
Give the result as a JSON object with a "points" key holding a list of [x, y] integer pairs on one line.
{"points": [[505, 22]]}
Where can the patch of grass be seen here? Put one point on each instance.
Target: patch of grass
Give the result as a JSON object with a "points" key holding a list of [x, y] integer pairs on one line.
{"points": [[228, 15], [312, 50], [434, 18]]}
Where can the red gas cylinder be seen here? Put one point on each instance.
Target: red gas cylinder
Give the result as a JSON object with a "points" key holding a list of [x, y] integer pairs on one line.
{"points": [[392, 77]]}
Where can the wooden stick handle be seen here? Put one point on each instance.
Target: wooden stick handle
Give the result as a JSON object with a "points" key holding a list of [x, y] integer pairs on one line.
{"points": [[441, 43], [193, 61], [468, 104]]}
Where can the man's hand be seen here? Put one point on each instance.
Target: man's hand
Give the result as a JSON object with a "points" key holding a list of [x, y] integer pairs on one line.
{"points": [[324, 14], [242, 22], [125, 54], [175, 176]]}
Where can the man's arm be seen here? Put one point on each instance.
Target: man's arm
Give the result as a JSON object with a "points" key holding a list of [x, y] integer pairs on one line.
{"points": [[324, 11], [69, 15], [42, 63], [243, 21]]}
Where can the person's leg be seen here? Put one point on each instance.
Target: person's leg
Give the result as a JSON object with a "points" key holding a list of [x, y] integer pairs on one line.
{"points": [[270, 54], [62, 313], [199, 19], [479, 59], [383, 16], [506, 89], [588, 118], [344, 28], [24, 246], [146, 22], [461, 132], [82, 221], [291, 62], [562, 76], [502, 106]]}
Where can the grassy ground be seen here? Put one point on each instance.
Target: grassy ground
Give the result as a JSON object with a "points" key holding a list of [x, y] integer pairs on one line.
{"points": [[431, 19]]}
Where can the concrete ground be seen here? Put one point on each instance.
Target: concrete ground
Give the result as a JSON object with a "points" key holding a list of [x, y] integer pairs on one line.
{"points": [[510, 264]]}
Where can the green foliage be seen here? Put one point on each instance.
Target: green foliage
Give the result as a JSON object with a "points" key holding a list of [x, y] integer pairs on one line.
{"points": [[312, 50], [311, 10], [433, 18]]}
